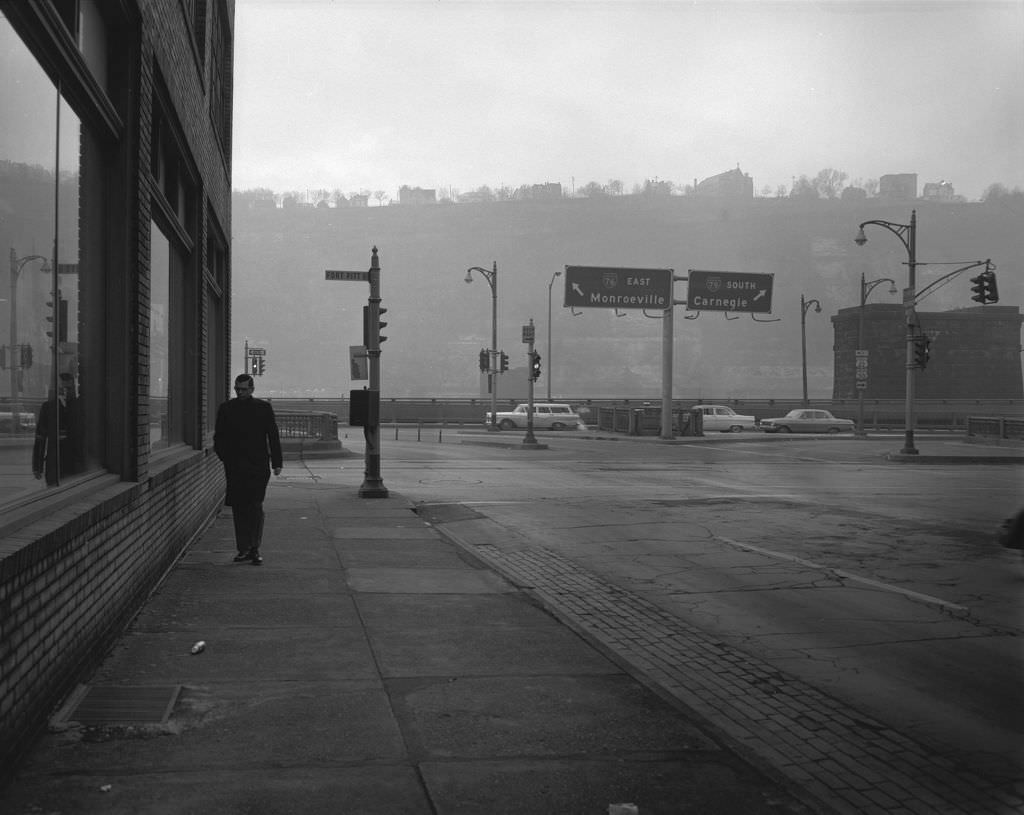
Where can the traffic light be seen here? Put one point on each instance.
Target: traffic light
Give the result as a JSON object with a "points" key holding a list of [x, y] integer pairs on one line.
{"points": [[922, 351], [367, 327], [254, 366], [484, 359], [985, 288], [261, 365], [993, 288], [534, 366], [504, 362], [61, 318]]}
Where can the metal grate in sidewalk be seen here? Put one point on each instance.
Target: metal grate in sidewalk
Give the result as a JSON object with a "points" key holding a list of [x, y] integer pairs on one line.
{"points": [[847, 760], [95, 705]]}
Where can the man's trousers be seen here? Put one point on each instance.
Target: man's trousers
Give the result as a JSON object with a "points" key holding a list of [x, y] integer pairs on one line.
{"points": [[248, 526]]}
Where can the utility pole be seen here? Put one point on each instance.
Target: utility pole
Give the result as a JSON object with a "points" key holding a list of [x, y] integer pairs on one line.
{"points": [[373, 484]]}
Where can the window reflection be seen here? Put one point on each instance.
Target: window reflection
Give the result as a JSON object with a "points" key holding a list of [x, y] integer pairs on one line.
{"points": [[159, 338], [42, 428]]}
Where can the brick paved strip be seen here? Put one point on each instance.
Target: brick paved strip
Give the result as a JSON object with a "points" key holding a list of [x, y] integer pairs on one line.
{"points": [[851, 762]]}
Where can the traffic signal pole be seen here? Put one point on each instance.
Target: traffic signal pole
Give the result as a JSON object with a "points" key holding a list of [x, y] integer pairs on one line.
{"points": [[528, 332], [373, 484]]}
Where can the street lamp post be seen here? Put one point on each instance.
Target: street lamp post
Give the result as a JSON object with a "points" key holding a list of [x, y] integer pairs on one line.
{"points": [[551, 369], [491, 276], [907, 233], [865, 289], [14, 361], [804, 306]]}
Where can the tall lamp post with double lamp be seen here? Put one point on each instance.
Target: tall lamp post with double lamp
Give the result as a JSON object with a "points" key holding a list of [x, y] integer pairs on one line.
{"points": [[551, 370], [14, 352], [804, 306], [491, 276], [907, 233], [865, 289]]}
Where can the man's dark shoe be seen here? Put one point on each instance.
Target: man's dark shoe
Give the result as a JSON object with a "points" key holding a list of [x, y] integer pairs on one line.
{"points": [[241, 557], [255, 558]]}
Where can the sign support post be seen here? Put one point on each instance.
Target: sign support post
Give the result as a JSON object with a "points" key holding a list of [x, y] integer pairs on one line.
{"points": [[373, 484], [667, 343]]}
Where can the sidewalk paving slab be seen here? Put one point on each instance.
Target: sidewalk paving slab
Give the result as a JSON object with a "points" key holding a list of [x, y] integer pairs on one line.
{"points": [[371, 665]]}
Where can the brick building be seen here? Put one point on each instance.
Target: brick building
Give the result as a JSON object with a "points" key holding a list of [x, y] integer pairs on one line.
{"points": [[730, 184], [975, 353], [416, 196], [115, 203]]}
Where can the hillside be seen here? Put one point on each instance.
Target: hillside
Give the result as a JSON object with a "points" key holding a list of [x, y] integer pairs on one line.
{"points": [[438, 323]]}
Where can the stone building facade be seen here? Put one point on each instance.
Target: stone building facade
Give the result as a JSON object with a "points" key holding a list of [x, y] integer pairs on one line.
{"points": [[974, 353]]}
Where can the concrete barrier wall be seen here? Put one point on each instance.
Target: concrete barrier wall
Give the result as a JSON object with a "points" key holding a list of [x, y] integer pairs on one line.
{"points": [[71, 581]]}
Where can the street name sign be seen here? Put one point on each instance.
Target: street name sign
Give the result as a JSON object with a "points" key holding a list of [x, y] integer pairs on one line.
{"points": [[257, 352], [334, 274], [613, 287], [729, 291], [359, 362]]}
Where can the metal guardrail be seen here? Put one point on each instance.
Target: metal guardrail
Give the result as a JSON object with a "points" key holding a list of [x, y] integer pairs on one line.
{"points": [[292, 425], [646, 421], [1003, 428], [878, 413]]}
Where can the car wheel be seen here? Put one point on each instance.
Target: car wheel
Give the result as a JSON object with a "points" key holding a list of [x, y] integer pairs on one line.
{"points": [[832, 430], [557, 426], [784, 429], [507, 424], [735, 429]]}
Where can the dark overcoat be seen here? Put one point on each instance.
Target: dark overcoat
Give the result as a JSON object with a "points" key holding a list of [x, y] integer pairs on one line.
{"points": [[246, 439]]}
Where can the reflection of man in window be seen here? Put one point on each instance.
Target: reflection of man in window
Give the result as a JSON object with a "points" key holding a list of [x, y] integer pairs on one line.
{"points": [[58, 434]]}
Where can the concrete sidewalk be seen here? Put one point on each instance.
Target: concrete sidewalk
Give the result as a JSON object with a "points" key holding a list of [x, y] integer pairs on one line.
{"points": [[369, 666]]}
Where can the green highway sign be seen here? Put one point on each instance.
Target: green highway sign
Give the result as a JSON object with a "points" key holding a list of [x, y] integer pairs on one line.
{"points": [[613, 287], [729, 291]]}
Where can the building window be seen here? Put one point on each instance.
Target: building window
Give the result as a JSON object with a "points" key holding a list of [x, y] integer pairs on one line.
{"points": [[216, 330], [53, 246], [160, 432], [220, 77]]}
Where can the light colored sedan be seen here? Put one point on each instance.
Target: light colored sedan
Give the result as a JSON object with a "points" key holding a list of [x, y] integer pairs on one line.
{"points": [[722, 418], [807, 420]]}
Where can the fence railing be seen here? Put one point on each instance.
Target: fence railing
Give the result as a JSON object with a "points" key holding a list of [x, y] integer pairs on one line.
{"points": [[646, 421], [1003, 428], [293, 425], [879, 414]]}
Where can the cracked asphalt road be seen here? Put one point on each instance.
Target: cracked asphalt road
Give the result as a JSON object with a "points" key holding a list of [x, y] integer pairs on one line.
{"points": [[877, 584]]}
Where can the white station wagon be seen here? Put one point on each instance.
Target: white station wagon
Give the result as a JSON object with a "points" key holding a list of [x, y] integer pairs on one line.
{"points": [[546, 416]]}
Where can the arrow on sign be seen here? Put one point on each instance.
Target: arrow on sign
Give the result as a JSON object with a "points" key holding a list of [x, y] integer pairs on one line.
{"points": [[760, 294], [576, 288]]}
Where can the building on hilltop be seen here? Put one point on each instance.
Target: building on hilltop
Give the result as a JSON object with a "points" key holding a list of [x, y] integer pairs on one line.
{"points": [[730, 184], [548, 191], [898, 186], [416, 195], [941, 191]]}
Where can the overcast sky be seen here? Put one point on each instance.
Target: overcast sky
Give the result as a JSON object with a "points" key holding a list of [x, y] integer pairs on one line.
{"points": [[374, 94]]}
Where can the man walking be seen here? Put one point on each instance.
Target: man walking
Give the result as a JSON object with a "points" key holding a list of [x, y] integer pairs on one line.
{"points": [[246, 439]]}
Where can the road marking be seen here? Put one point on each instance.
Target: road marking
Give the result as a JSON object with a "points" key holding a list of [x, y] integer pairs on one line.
{"points": [[867, 581]]}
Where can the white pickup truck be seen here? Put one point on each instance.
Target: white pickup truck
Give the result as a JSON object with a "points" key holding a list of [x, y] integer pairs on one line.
{"points": [[546, 416]]}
